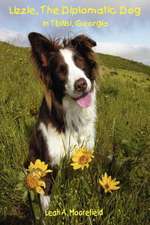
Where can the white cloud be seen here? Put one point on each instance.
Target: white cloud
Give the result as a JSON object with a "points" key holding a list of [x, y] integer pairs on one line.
{"points": [[13, 37], [138, 53]]}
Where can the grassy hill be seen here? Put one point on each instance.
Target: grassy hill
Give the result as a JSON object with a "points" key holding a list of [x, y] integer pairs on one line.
{"points": [[115, 62], [123, 131]]}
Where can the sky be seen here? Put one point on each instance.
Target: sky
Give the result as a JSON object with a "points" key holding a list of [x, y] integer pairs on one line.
{"points": [[126, 36]]}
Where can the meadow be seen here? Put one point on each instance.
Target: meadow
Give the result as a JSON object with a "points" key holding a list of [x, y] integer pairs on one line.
{"points": [[122, 143]]}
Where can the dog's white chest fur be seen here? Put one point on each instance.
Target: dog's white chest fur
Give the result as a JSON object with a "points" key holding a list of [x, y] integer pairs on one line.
{"points": [[80, 130]]}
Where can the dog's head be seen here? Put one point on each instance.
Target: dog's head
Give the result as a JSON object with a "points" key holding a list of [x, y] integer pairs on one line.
{"points": [[66, 68]]}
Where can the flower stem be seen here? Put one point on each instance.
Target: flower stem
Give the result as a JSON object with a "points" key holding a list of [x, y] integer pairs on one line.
{"points": [[31, 207]]}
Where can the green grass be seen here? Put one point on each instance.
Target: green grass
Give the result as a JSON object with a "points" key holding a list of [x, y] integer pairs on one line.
{"points": [[123, 131], [120, 63]]}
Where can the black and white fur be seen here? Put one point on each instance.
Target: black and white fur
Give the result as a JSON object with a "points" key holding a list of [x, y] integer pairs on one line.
{"points": [[67, 70]]}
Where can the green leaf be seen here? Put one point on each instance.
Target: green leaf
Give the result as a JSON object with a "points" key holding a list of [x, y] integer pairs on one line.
{"points": [[25, 195], [19, 186], [32, 195], [21, 176]]}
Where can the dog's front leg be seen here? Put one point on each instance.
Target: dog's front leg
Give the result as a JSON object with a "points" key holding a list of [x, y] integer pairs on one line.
{"points": [[45, 201], [49, 181], [38, 150]]}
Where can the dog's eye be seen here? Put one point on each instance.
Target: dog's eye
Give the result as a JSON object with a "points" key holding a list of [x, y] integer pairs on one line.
{"points": [[79, 61], [92, 64], [78, 57], [62, 69]]}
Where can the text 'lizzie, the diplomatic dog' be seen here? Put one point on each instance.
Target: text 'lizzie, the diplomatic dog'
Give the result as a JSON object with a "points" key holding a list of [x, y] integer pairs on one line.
{"points": [[73, 11]]}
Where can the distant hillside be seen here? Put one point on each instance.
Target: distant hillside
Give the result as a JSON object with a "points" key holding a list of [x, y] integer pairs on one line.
{"points": [[109, 61], [121, 63]]}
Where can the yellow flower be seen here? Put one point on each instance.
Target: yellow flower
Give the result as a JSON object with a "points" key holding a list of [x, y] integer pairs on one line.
{"points": [[34, 182], [81, 158], [108, 183], [40, 167]]}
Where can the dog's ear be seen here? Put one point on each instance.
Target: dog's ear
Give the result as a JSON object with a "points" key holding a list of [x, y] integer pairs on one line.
{"points": [[41, 48], [82, 43]]}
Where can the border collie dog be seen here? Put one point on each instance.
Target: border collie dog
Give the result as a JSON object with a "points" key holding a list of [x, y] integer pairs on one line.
{"points": [[67, 114]]}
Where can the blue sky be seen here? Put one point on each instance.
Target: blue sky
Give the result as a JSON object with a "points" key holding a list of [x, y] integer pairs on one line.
{"points": [[127, 36]]}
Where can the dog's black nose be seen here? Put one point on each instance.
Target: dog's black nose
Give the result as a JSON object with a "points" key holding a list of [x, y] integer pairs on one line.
{"points": [[80, 85]]}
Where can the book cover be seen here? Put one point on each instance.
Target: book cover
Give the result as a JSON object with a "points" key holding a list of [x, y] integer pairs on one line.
{"points": [[74, 112]]}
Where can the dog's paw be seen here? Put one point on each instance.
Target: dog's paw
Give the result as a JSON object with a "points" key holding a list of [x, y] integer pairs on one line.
{"points": [[45, 201]]}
